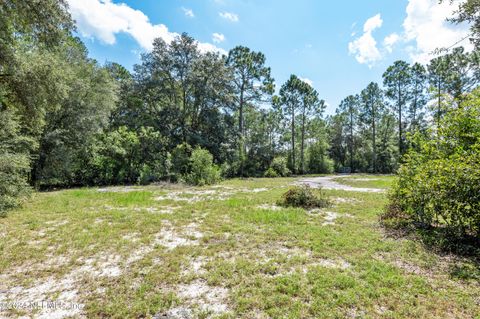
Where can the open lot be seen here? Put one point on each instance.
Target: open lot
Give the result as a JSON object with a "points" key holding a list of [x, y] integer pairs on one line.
{"points": [[225, 251]]}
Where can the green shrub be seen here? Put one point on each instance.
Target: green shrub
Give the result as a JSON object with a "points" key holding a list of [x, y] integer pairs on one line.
{"points": [[280, 166], [181, 159], [270, 172], [203, 171], [230, 170], [439, 183], [126, 156], [318, 160], [14, 162], [304, 196]]}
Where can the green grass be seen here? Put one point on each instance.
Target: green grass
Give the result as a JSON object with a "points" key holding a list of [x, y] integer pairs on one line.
{"points": [[257, 260], [366, 181]]}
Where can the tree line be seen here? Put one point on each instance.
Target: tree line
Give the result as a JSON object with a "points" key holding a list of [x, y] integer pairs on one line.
{"points": [[370, 130], [183, 114]]}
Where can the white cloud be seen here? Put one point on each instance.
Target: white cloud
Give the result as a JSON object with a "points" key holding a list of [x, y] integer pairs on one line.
{"points": [[390, 41], [103, 19], [307, 80], [188, 12], [218, 37], [229, 16], [373, 23], [365, 47], [426, 25]]}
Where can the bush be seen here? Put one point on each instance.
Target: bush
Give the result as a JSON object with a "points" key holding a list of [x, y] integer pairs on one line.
{"points": [[279, 165], [318, 160], [304, 196], [151, 173], [127, 156], [181, 159], [439, 183], [230, 170], [270, 173], [14, 162], [203, 171]]}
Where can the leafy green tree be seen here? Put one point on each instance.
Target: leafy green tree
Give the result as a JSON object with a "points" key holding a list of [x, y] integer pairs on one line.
{"points": [[372, 107], [387, 150], [467, 12], [439, 183], [279, 166], [252, 82], [24, 21], [311, 106], [203, 171], [439, 76], [337, 140], [318, 158], [397, 81], [184, 94], [15, 150], [349, 107], [181, 159], [298, 99], [291, 98], [257, 138], [464, 68], [419, 98], [122, 156], [71, 129]]}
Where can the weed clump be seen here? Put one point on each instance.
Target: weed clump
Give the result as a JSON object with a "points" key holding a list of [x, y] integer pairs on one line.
{"points": [[305, 197]]}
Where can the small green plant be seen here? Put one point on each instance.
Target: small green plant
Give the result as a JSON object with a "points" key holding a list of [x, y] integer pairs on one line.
{"points": [[181, 158], [279, 166], [270, 172], [305, 197], [203, 171]]}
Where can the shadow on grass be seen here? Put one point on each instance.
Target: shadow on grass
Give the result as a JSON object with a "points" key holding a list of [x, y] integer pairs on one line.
{"points": [[465, 249]]}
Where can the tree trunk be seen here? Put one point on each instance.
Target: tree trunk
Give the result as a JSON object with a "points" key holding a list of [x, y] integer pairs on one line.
{"points": [[241, 145], [374, 141], [303, 144], [414, 117], [351, 141], [184, 117], [293, 140], [439, 104], [400, 141]]}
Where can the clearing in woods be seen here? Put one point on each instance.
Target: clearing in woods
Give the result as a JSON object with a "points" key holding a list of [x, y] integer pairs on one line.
{"points": [[225, 251]]}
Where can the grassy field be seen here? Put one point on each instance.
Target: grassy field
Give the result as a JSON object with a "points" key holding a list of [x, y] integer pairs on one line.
{"points": [[226, 251], [363, 180]]}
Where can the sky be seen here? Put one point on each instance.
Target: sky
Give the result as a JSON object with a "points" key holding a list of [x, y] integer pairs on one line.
{"points": [[336, 46]]}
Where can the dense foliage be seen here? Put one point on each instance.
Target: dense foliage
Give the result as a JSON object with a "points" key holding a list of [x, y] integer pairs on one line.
{"points": [[185, 114], [14, 162], [203, 171], [439, 183]]}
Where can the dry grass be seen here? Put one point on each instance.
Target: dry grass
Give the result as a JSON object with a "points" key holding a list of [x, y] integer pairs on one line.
{"points": [[226, 251]]}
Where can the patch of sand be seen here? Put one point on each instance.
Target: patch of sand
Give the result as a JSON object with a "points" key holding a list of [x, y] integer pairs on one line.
{"points": [[342, 200], [193, 196], [269, 207], [330, 218], [208, 298], [329, 263], [195, 266], [171, 237], [327, 182], [118, 189]]}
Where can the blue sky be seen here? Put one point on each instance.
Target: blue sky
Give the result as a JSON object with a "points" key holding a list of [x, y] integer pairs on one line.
{"points": [[338, 46]]}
